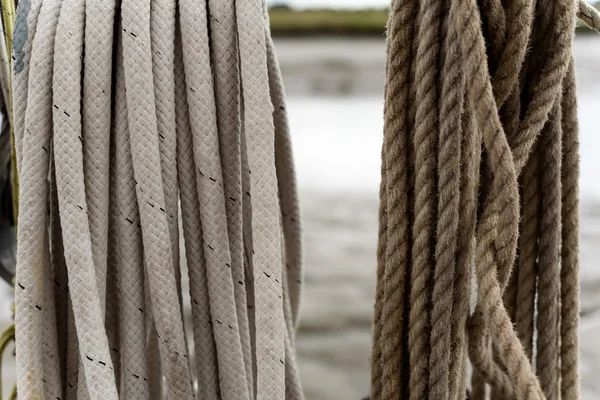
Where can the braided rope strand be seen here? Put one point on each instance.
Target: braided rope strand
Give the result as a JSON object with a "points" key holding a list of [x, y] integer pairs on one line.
{"points": [[134, 119]]}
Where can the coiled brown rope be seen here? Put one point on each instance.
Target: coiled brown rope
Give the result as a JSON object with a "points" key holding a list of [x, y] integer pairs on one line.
{"points": [[481, 181]]}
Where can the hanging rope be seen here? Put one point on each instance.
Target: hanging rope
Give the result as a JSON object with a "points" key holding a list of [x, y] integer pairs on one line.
{"points": [[8, 20], [479, 190], [7, 336], [141, 111], [589, 15]]}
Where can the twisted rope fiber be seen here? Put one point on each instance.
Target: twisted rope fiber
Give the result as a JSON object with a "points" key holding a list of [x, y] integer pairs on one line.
{"points": [[491, 276], [393, 241], [470, 156], [448, 172], [426, 121], [589, 15], [376, 352], [527, 269], [503, 78], [493, 87], [547, 365], [132, 116], [531, 203], [569, 273]]}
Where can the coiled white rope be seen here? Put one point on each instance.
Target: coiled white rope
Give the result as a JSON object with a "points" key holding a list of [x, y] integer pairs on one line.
{"points": [[128, 114]]}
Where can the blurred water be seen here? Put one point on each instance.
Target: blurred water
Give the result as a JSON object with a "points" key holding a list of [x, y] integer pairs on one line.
{"points": [[337, 143]]}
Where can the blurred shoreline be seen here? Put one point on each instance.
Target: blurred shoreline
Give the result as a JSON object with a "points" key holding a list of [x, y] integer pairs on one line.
{"points": [[292, 21]]}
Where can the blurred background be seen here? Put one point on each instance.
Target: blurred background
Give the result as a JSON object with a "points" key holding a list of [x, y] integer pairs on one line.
{"points": [[332, 54]]}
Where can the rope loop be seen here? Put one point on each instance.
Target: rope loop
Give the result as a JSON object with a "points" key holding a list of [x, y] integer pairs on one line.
{"points": [[479, 195], [135, 121]]}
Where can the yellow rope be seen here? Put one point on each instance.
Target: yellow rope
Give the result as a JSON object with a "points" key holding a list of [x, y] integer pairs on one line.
{"points": [[8, 19], [5, 338]]}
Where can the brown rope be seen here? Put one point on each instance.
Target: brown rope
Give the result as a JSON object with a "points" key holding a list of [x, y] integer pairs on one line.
{"points": [[479, 180], [448, 172], [393, 250], [569, 274], [528, 251], [547, 361], [423, 229], [470, 157]]}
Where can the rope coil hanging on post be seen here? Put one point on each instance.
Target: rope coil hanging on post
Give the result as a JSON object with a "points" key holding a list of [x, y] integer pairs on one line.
{"points": [[129, 114], [480, 167]]}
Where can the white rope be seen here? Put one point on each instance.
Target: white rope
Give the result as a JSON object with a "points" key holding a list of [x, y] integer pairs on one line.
{"points": [[32, 237], [127, 114], [128, 240]]}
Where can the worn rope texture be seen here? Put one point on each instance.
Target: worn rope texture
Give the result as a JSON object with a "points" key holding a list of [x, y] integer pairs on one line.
{"points": [[479, 180], [132, 118], [589, 15]]}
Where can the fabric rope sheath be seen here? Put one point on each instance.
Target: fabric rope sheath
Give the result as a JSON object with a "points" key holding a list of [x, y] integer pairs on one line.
{"points": [[479, 194], [134, 119]]}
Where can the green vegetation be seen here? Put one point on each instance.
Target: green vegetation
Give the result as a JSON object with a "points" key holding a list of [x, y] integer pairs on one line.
{"points": [[286, 21], [289, 22]]}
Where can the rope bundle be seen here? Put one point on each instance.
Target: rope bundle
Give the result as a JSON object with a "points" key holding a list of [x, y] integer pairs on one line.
{"points": [[135, 120], [479, 188]]}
